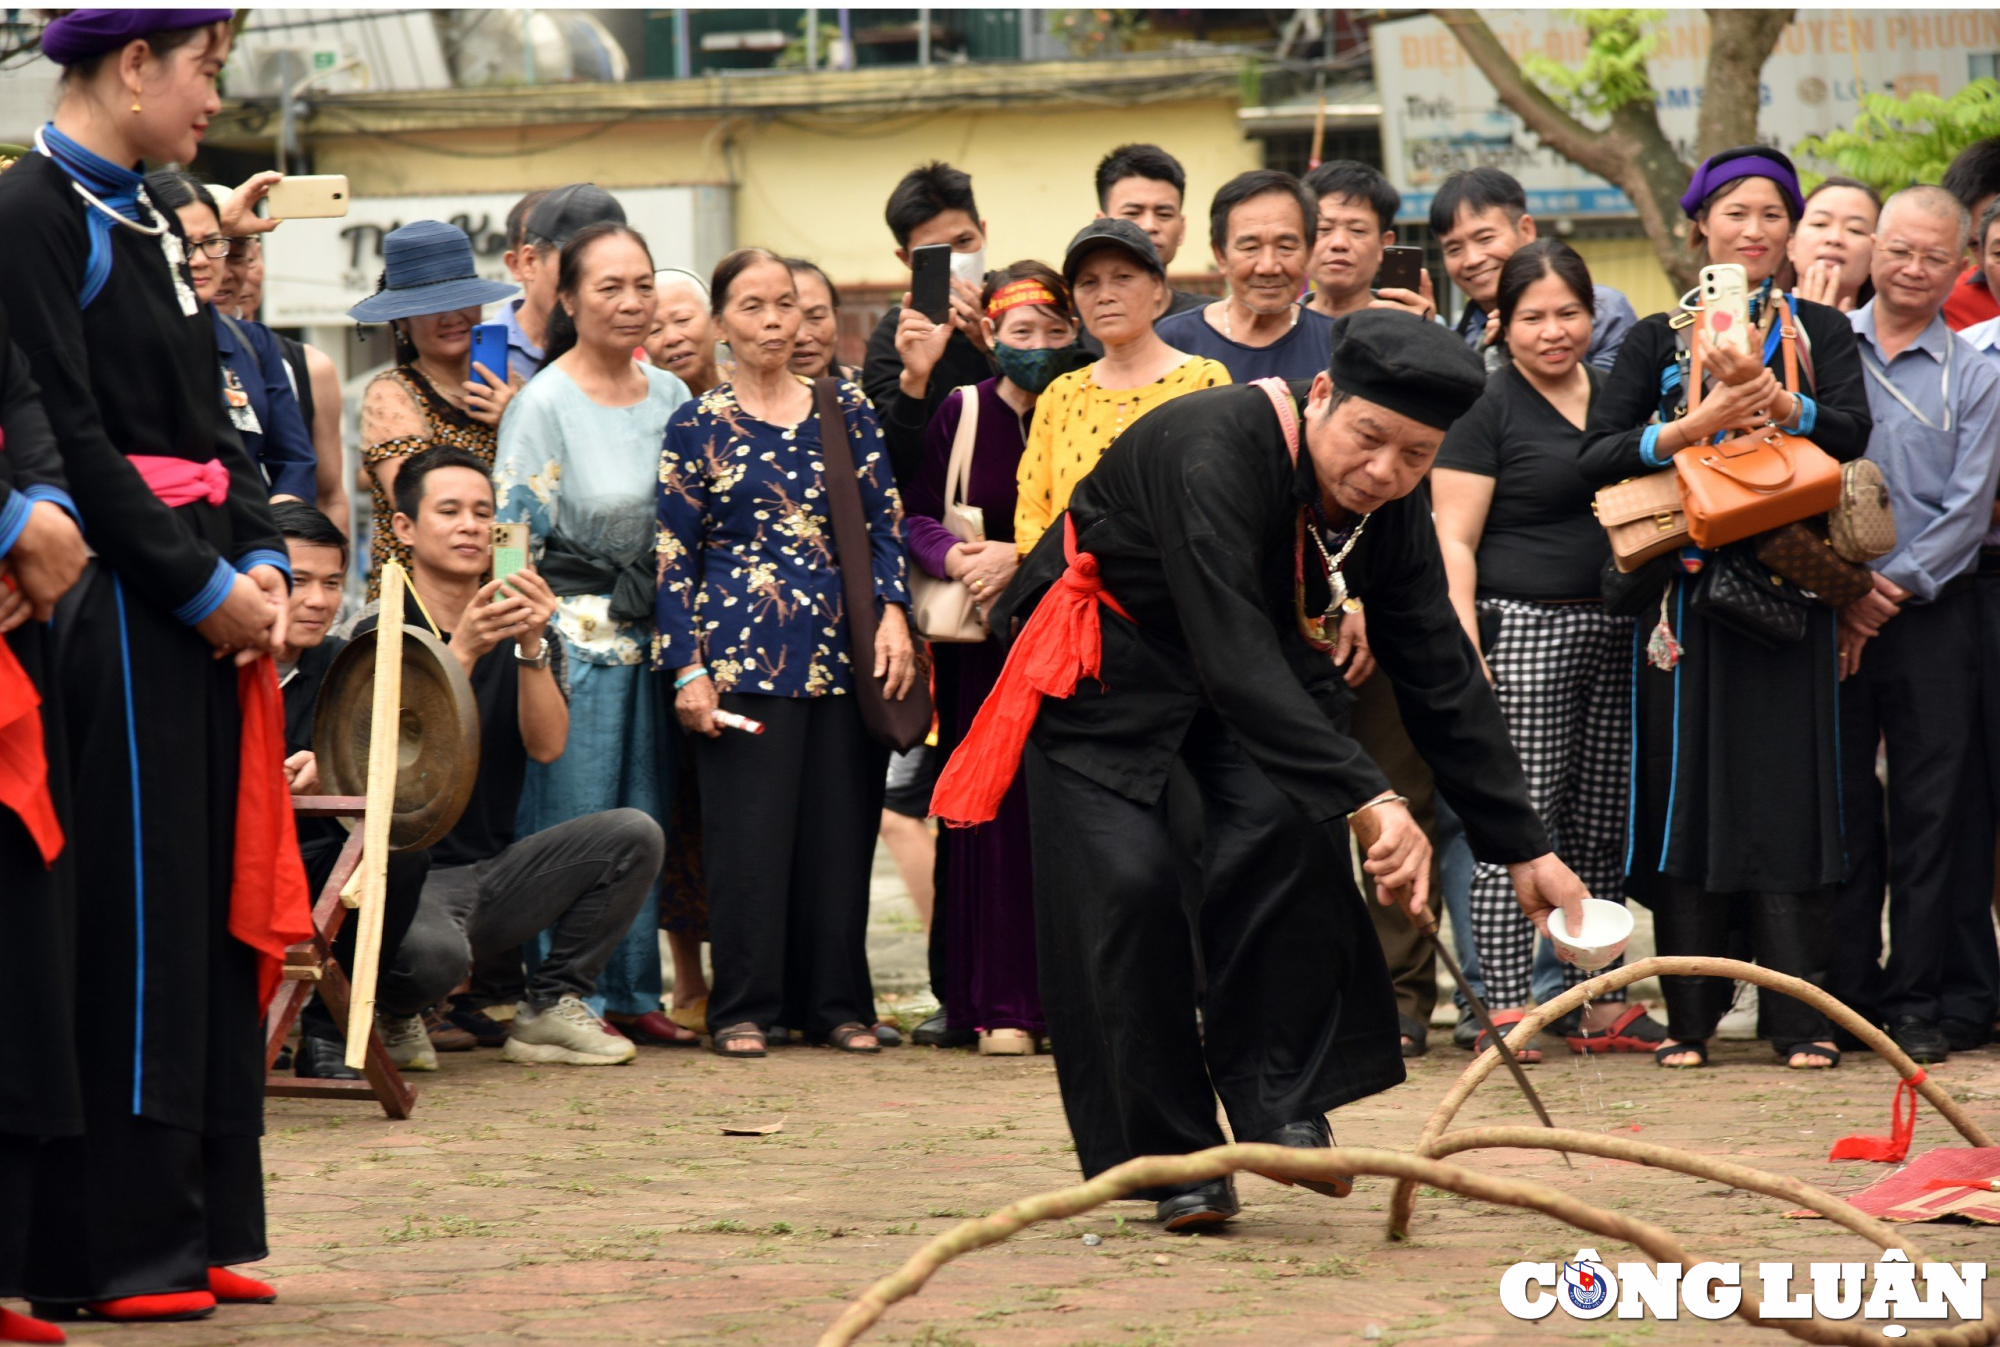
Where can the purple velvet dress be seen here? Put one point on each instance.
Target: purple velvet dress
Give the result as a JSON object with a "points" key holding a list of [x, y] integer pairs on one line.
{"points": [[986, 903]]}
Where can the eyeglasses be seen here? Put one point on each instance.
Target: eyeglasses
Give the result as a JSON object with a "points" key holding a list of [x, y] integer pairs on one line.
{"points": [[244, 247], [213, 246], [1897, 255]]}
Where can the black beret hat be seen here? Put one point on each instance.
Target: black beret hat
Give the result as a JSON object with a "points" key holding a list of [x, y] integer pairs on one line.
{"points": [[1424, 371], [561, 213]]}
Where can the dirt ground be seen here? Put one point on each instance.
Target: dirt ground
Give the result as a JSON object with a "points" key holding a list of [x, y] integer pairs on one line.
{"points": [[604, 1206]]}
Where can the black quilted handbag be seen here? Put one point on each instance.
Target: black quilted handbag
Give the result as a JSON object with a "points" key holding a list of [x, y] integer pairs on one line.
{"points": [[1737, 591]]}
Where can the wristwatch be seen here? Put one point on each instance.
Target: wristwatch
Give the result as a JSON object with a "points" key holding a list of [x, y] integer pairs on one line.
{"points": [[540, 661]]}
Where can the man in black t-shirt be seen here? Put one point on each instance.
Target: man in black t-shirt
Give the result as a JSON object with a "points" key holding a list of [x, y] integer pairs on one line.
{"points": [[319, 564], [582, 881]]}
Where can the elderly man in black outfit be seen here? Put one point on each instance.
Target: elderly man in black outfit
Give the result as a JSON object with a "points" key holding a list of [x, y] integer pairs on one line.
{"points": [[1215, 538]]}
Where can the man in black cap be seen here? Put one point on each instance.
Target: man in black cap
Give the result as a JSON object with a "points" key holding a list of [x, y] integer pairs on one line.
{"points": [[1223, 533], [552, 220]]}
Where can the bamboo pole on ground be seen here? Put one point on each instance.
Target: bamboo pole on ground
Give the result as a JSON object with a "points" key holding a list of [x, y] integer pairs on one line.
{"points": [[385, 727]]}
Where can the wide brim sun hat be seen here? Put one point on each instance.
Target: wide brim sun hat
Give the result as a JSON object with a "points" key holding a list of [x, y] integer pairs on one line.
{"points": [[427, 268]]}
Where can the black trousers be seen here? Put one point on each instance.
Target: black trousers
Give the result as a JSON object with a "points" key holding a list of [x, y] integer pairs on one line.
{"points": [[1929, 836], [406, 885], [17, 1188], [788, 824], [1788, 933], [1298, 1015]]}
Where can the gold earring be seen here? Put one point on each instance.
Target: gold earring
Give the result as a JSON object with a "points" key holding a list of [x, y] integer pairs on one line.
{"points": [[135, 102]]}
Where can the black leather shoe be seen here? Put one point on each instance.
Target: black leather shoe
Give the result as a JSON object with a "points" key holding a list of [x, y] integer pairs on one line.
{"points": [[935, 1033], [1920, 1039], [1964, 1035], [1210, 1204], [1306, 1135], [322, 1059], [1465, 1034]]}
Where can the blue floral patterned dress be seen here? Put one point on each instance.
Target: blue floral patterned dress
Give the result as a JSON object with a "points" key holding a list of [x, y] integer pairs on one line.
{"points": [[748, 583], [567, 465]]}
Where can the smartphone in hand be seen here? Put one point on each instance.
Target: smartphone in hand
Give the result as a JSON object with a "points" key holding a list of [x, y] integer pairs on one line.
{"points": [[489, 348], [310, 196], [1725, 305], [510, 554], [1402, 269], [930, 281]]}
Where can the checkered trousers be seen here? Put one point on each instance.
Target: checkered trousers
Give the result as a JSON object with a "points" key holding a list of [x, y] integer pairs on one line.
{"points": [[1563, 674]]}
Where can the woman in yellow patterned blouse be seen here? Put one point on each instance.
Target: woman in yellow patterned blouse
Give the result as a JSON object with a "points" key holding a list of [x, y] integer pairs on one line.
{"points": [[1119, 285]]}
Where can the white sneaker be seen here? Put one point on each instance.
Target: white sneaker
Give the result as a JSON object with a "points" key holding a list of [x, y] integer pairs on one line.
{"points": [[566, 1033], [408, 1042]]}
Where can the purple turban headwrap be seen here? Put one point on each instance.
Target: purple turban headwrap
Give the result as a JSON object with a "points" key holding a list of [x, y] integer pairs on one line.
{"points": [[1749, 161], [84, 33]]}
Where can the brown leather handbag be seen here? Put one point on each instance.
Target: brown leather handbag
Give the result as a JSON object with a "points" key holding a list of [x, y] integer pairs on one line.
{"points": [[904, 724], [1642, 517], [1804, 555], [1862, 526], [1759, 480]]}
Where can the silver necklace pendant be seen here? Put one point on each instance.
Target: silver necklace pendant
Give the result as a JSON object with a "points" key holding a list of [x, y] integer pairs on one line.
{"points": [[170, 244], [1336, 584]]}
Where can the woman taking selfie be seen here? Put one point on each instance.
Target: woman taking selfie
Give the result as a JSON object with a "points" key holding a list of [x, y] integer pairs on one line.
{"points": [[988, 898], [153, 1183], [431, 297], [1119, 286], [682, 339], [1524, 555], [1834, 245], [579, 464], [255, 387], [752, 621], [1736, 777]]}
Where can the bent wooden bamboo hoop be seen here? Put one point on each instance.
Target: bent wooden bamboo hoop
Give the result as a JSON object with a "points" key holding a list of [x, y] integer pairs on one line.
{"points": [[1403, 1203], [1658, 1244], [385, 732]]}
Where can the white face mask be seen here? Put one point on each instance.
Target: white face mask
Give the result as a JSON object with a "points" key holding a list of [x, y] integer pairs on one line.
{"points": [[969, 267]]}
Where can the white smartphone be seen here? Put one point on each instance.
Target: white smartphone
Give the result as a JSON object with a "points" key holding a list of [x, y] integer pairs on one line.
{"points": [[314, 196], [1725, 305]]}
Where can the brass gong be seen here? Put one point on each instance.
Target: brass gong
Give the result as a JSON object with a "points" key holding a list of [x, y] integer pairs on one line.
{"points": [[437, 754]]}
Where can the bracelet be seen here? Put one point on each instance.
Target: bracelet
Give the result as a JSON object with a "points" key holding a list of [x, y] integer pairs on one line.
{"points": [[1386, 797], [698, 671]]}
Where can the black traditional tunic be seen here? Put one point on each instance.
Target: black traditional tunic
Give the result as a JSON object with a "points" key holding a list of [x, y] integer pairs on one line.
{"points": [[39, 1093], [1736, 773], [165, 1181], [1191, 516]]}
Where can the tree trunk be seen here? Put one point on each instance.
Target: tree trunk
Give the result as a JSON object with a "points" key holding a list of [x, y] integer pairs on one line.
{"points": [[1739, 42]]}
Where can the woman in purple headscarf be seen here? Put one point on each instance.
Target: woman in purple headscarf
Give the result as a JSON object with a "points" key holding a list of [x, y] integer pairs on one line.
{"points": [[150, 1180], [1734, 807]]}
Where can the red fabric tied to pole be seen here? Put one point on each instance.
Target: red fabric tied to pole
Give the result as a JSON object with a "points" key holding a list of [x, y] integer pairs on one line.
{"points": [[1062, 643], [1902, 1127], [24, 762], [269, 908]]}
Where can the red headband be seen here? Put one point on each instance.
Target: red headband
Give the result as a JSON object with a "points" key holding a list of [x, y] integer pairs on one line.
{"points": [[1014, 294]]}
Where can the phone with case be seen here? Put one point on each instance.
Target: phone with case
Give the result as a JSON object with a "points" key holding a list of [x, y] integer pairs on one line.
{"points": [[1402, 269], [310, 196], [510, 554], [1725, 306], [489, 348]]}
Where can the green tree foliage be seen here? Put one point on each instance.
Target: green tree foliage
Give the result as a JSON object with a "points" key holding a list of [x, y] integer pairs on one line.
{"points": [[1613, 74], [1897, 141]]}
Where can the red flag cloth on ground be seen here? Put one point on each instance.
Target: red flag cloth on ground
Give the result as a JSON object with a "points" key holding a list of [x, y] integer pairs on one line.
{"points": [[1947, 1184], [269, 908], [1061, 644], [24, 765]]}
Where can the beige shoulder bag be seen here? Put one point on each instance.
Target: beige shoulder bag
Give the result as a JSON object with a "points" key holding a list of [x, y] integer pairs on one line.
{"points": [[944, 610]]}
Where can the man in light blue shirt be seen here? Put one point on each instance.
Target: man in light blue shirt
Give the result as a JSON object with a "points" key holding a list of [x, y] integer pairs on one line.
{"points": [[1909, 652]]}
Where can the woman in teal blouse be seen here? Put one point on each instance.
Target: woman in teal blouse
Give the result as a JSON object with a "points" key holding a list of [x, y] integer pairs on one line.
{"points": [[750, 620]]}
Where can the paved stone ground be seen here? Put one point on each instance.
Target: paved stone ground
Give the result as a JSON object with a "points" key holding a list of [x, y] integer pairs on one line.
{"points": [[604, 1206]]}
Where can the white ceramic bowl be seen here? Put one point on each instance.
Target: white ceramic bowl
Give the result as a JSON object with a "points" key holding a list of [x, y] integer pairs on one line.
{"points": [[1607, 927]]}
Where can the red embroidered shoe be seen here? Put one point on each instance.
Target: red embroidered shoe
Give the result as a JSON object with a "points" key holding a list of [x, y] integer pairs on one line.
{"points": [[153, 1309], [20, 1328], [232, 1288]]}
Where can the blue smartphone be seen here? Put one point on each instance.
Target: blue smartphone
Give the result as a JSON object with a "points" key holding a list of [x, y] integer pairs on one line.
{"points": [[489, 348]]}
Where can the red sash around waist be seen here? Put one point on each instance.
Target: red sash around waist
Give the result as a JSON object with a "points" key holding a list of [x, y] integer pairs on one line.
{"points": [[24, 764], [181, 481], [1062, 642]]}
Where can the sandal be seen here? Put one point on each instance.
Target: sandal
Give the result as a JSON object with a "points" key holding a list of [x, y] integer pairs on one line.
{"points": [[1006, 1043], [1700, 1050], [1785, 1055], [855, 1037], [1501, 1019], [736, 1033], [1633, 1031], [1417, 1032]]}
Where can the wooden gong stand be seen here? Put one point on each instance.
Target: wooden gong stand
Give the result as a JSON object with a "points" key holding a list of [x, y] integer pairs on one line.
{"points": [[310, 967]]}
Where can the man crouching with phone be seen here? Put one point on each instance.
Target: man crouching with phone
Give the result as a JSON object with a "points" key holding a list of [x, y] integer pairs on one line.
{"points": [[582, 881]]}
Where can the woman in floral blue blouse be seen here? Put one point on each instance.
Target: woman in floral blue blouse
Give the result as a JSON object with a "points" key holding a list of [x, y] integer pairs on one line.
{"points": [[750, 620]]}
